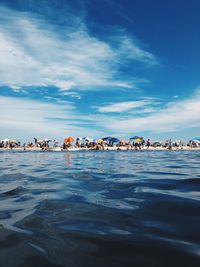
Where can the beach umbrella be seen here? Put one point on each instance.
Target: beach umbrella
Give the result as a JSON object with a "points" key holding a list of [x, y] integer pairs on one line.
{"points": [[138, 140], [106, 138], [196, 139], [111, 139], [40, 141], [136, 137], [87, 139], [100, 141], [55, 142], [78, 139], [6, 140], [114, 140], [47, 140], [69, 139]]}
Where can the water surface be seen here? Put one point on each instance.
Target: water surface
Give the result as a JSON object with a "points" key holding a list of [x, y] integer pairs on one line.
{"points": [[100, 208]]}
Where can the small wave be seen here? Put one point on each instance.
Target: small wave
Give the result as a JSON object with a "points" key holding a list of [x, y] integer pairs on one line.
{"points": [[187, 185], [159, 173], [122, 208], [15, 191], [37, 247]]}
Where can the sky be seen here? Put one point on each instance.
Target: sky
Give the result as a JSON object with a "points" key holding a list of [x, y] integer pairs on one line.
{"points": [[99, 67]]}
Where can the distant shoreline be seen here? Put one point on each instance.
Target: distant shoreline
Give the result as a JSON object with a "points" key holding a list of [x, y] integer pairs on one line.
{"points": [[122, 148]]}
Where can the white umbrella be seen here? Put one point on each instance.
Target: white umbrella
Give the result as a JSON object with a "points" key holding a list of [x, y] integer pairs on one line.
{"points": [[87, 139], [5, 140], [13, 141], [40, 141]]}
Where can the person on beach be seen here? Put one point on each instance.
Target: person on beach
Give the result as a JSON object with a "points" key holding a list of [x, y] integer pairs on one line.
{"points": [[11, 145], [148, 143], [170, 144], [77, 142], [65, 146], [142, 142], [35, 140], [136, 146]]}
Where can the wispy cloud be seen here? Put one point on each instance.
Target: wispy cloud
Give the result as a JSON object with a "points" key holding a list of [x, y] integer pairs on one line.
{"points": [[129, 48], [25, 118], [173, 117], [34, 53], [124, 106]]}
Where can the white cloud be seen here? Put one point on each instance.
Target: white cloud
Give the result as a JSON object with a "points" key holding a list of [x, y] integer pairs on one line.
{"points": [[32, 53], [123, 106], [131, 48], [175, 116], [23, 118]]}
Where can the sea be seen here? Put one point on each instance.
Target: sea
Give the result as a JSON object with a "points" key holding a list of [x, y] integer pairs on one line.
{"points": [[100, 208]]}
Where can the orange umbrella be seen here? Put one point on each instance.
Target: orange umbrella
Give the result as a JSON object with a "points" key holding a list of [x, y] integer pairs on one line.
{"points": [[69, 139]]}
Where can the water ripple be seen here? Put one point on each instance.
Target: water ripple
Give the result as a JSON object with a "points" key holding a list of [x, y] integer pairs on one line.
{"points": [[122, 208]]}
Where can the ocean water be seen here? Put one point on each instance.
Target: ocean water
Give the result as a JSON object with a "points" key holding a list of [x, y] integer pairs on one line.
{"points": [[100, 208]]}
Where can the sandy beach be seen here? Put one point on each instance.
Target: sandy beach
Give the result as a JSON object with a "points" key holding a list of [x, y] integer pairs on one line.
{"points": [[115, 148]]}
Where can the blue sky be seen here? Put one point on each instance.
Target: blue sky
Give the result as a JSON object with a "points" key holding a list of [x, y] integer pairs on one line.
{"points": [[99, 67]]}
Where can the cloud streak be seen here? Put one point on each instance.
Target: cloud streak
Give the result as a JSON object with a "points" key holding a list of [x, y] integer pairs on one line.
{"points": [[33, 53], [25, 118], [124, 106], [173, 117]]}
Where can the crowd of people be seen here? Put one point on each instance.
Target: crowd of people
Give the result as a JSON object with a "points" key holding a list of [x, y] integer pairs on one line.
{"points": [[136, 143]]}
